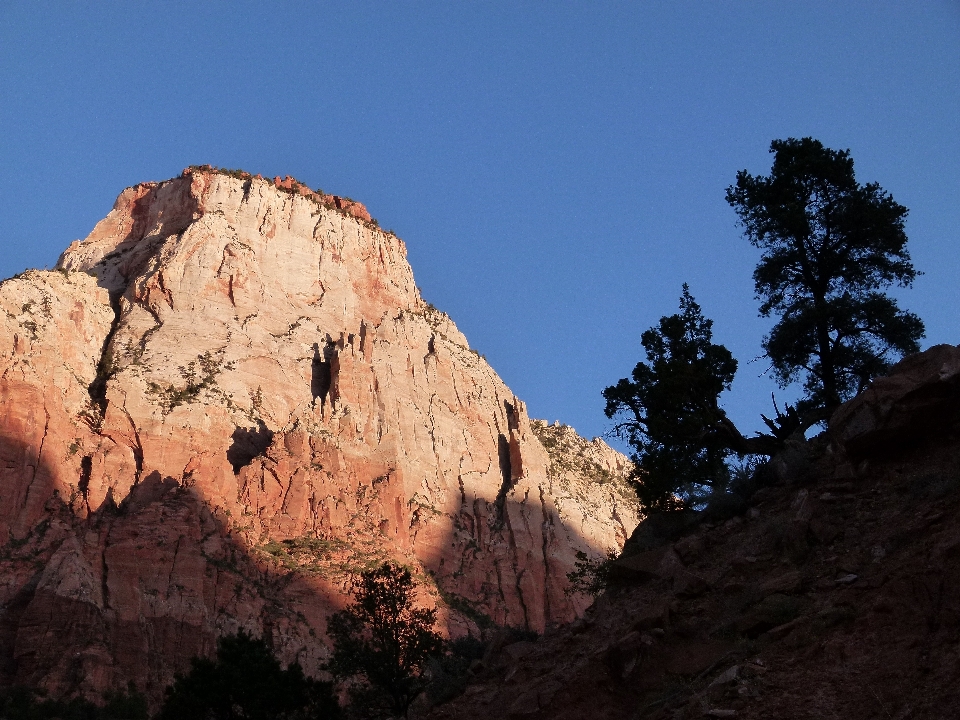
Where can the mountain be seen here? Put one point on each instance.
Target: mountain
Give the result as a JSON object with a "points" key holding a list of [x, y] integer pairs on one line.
{"points": [[228, 399]]}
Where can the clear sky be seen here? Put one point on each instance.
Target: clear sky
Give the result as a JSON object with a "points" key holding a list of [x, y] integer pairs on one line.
{"points": [[557, 170]]}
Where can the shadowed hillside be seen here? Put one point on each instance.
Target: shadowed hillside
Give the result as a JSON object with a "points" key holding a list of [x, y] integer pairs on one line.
{"points": [[833, 592]]}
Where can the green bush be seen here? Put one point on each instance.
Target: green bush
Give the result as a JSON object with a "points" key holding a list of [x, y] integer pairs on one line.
{"points": [[591, 577], [382, 640]]}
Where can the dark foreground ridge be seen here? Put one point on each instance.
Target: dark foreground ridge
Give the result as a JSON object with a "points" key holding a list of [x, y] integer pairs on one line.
{"points": [[833, 591]]}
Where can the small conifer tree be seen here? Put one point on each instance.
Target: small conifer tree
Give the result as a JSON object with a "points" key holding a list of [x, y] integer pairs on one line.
{"points": [[383, 639], [670, 412]]}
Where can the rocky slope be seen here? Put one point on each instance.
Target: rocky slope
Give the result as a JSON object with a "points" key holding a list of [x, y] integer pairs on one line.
{"points": [[228, 398], [832, 592]]}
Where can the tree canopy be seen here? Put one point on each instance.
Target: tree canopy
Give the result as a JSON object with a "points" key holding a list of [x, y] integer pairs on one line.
{"points": [[670, 409], [383, 638], [22, 703], [246, 682], [830, 246]]}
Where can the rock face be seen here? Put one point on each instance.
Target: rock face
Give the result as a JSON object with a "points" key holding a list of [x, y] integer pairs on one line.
{"points": [[918, 399], [228, 398], [572, 458], [831, 595]]}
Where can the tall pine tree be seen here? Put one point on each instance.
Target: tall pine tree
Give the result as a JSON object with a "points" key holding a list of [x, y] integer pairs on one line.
{"points": [[830, 248]]}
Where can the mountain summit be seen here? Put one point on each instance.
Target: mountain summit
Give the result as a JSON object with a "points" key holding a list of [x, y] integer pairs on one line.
{"points": [[229, 398]]}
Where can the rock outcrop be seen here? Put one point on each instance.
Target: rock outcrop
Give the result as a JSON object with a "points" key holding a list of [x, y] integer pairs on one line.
{"points": [[573, 458], [230, 397], [918, 399]]}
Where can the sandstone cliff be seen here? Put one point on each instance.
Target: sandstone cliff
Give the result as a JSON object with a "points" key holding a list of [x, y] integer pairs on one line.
{"points": [[228, 398]]}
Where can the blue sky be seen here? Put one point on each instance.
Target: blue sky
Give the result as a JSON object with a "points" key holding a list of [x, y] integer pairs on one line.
{"points": [[556, 169]]}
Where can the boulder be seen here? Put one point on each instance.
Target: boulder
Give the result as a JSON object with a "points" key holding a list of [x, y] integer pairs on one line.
{"points": [[919, 398]]}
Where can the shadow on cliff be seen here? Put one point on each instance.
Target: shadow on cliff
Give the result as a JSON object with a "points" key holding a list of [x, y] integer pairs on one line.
{"points": [[131, 254], [24, 527], [321, 376], [130, 592], [173, 214], [135, 589], [248, 443]]}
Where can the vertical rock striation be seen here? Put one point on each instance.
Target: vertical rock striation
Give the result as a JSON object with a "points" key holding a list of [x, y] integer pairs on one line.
{"points": [[229, 397]]}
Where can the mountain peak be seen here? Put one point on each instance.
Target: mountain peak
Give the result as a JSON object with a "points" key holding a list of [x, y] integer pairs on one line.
{"points": [[254, 402]]}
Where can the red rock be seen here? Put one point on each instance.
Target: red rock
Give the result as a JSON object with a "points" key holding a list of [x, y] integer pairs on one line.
{"points": [[270, 402]]}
